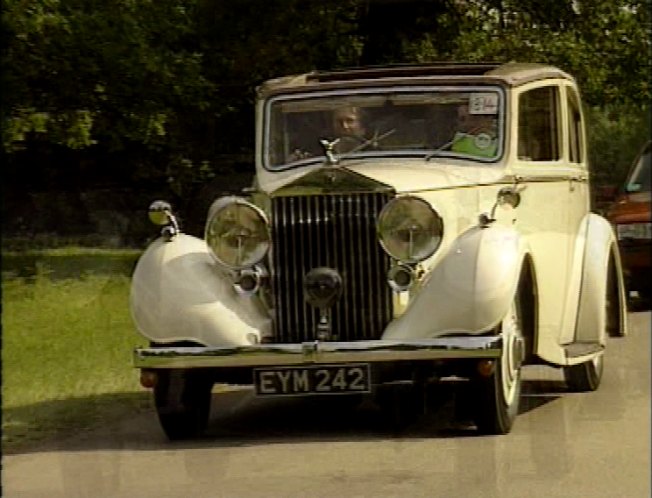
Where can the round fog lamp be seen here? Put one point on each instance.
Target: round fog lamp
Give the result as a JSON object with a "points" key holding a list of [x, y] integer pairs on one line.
{"points": [[400, 278], [248, 281]]}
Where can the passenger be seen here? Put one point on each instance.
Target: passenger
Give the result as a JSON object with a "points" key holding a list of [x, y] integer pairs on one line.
{"points": [[476, 135]]}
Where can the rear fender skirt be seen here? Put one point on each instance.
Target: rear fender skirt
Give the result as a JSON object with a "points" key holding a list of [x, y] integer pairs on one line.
{"points": [[470, 289], [591, 319], [178, 293]]}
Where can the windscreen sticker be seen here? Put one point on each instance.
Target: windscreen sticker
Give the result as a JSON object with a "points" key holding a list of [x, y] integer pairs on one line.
{"points": [[483, 103]]}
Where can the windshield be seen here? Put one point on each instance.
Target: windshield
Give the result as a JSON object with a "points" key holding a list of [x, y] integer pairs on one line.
{"points": [[639, 180], [460, 122]]}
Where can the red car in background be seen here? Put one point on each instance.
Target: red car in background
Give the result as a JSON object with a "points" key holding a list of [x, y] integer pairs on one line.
{"points": [[630, 216]]}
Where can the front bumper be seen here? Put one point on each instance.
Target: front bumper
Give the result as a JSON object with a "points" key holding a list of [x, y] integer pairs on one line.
{"points": [[318, 352]]}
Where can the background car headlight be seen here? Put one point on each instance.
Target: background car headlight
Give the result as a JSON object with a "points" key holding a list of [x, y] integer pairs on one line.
{"points": [[237, 233], [410, 230]]}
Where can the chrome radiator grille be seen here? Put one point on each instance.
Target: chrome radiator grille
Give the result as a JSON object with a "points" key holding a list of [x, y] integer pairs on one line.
{"points": [[336, 231]]}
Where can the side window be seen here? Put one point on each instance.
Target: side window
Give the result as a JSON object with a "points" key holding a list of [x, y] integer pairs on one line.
{"points": [[576, 147], [538, 124]]}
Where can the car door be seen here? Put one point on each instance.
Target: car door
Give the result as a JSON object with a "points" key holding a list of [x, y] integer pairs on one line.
{"points": [[548, 185], [578, 204]]}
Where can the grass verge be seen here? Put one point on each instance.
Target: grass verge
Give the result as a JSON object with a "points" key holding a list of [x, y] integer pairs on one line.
{"points": [[66, 356]]}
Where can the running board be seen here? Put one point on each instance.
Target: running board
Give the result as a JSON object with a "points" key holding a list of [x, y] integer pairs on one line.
{"points": [[579, 352]]}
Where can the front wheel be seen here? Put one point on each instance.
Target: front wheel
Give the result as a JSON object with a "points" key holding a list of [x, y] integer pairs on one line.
{"points": [[496, 397], [182, 402]]}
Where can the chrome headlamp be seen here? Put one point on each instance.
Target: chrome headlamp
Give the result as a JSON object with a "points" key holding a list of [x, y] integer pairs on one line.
{"points": [[237, 233], [410, 230]]}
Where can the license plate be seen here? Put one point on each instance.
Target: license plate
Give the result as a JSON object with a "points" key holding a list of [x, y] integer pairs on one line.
{"points": [[313, 379]]}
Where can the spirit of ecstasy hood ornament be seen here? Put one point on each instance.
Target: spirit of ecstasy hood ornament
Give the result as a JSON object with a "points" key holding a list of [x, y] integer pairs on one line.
{"points": [[331, 160]]}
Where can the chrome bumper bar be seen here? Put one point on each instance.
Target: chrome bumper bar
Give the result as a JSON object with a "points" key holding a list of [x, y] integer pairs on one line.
{"points": [[318, 352]]}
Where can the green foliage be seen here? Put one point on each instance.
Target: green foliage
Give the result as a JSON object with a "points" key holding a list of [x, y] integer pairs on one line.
{"points": [[115, 70], [163, 91], [616, 135], [604, 44], [64, 340]]}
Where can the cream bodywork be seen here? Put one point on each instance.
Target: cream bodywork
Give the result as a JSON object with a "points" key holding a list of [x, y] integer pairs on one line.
{"points": [[601, 243], [554, 218], [468, 290], [178, 293], [466, 287]]}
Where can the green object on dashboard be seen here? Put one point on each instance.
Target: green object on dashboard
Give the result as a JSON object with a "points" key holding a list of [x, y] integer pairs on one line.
{"points": [[481, 145]]}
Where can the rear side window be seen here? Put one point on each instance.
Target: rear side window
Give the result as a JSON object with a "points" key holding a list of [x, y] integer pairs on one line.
{"points": [[639, 180], [576, 146], [538, 125]]}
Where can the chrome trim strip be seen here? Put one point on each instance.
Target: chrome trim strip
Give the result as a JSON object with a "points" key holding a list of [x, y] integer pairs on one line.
{"points": [[570, 176], [352, 230], [318, 352], [296, 286], [367, 241], [281, 226], [344, 316], [303, 308]]}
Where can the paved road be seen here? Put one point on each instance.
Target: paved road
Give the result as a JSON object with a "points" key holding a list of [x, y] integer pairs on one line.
{"points": [[563, 445]]}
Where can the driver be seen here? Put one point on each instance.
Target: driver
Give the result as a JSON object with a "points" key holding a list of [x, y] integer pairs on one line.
{"points": [[348, 127], [348, 122]]}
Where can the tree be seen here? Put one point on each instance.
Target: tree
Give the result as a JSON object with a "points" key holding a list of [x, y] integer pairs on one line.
{"points": [[163, 90], [604, 44], [82, 73]]}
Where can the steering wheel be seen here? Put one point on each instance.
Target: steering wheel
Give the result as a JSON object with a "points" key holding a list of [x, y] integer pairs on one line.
{"points": [[352, 143]]}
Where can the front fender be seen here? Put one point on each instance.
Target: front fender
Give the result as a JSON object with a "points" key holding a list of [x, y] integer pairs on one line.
{"points": [[178, 294], [469, 290]]}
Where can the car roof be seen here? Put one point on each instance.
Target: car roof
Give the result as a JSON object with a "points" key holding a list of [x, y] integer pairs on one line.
{"points": [[509, 74]]}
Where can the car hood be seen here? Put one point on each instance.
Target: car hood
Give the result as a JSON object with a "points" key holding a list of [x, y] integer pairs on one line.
{"points": [[400, 176], [630, 208]]}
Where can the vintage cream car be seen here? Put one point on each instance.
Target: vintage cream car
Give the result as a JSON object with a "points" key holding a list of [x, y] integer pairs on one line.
{"points": [[406, 225]]}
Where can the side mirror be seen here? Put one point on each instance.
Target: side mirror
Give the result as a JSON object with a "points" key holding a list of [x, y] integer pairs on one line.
{"points": [[159, 212]]}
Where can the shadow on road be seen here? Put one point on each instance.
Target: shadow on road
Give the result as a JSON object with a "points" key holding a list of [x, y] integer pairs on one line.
{"points": [[639, 304], [127, 421], [536, 393], [51, 422]]}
